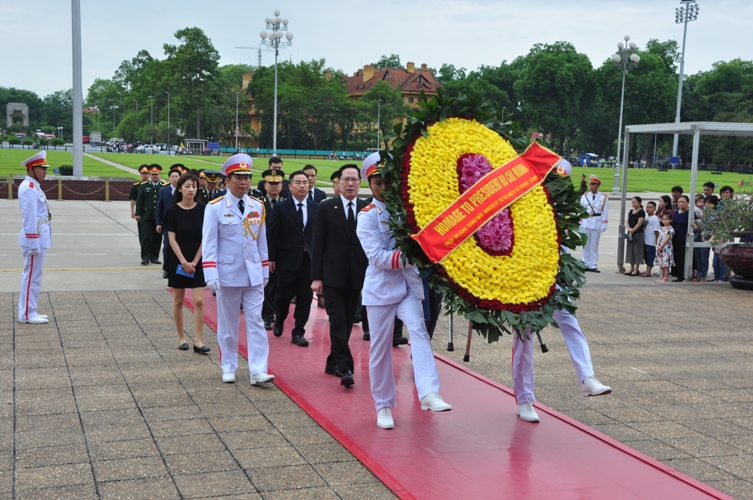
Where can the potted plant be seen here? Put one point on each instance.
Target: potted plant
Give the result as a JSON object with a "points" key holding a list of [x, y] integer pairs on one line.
{"points": [[731, 219]]}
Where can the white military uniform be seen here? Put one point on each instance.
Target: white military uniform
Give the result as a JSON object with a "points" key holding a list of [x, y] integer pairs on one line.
{"points": [[36, 238], [391, 289], [234, 251], [597, 206]]}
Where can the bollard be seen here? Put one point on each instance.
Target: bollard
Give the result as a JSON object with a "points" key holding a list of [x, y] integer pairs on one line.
{"points": [[107, 189], [10, 186], [60, 189]]}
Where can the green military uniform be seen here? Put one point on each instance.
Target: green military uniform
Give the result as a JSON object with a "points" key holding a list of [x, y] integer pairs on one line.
{"points": [[146, 208], [268, 308], [135, 192]]}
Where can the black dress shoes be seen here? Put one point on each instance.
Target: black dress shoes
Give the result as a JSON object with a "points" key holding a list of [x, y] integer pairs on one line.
{"points": [[366, 336], [277, 330], [201, 350], [145, 262], [155, 261], [398, 341], [164, 274], [347, 379], [299, 340], [267, 325], [183, 346]]}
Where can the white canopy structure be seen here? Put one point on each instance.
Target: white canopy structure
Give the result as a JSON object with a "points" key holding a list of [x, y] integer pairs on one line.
{"points": [[696, 129]]}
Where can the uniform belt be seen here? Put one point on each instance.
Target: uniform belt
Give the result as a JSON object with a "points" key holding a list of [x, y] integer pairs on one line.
{"points": [[46, 220], [595, 215]]}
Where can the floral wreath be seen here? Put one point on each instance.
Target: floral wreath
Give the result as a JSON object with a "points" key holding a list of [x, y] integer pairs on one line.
{"points": [[512, 274]]}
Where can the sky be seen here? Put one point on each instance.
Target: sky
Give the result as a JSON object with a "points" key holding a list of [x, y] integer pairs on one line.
{"points": [[35, 37]]}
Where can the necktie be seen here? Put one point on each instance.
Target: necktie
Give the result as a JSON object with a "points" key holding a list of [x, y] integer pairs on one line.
{"points": [[274, 201], [300, 213], [311, 195], [241, 206], [351, 216]]}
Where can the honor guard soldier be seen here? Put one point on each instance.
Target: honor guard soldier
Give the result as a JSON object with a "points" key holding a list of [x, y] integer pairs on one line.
{"points": [[146, 215], [144, 172], [392, 288], [235, 263], [577, 345], [597, 206], [35, 237], [335, 178], [272, 187], [213, 178]]}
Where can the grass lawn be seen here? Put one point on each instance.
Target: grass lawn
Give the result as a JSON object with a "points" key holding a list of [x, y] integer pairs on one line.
{"points": [[10, 163], [648, 179]]}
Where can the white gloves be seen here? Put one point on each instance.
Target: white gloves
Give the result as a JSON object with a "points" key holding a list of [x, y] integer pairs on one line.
{"points": [[213, 285], [34, 252]]}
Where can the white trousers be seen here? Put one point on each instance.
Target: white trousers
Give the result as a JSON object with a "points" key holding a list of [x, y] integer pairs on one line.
{"points": [[381, 324], [591, 249], [522, 356], [228, 311], [31, 283]]}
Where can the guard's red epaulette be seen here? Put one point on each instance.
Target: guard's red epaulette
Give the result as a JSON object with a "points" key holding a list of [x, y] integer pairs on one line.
{"points": [[215, 200], [368, 207], [31, 184]]}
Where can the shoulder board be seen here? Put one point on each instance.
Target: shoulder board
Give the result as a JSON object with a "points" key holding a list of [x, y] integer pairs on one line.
{"points": [[216, 200], [165, 183], [137, 183], [368, 207], [31, 184], [143, 182], [257, 199]]}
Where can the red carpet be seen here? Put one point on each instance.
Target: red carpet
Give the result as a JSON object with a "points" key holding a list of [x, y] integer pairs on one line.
{"points": [[480, 449]]}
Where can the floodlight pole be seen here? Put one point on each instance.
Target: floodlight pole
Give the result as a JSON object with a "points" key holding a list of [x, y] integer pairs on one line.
{"points": [[277, 25], [236, 120], [168, 123], [379, 120], [624, 60], [78, 126], [684, 14]]}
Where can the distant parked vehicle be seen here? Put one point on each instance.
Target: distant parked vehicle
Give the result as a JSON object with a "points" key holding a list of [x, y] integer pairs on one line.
{"points": [[588, 160], [153, 149]]}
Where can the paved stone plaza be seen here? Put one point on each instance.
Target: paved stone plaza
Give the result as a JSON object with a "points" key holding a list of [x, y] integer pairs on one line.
{"points": [[100, 403]]}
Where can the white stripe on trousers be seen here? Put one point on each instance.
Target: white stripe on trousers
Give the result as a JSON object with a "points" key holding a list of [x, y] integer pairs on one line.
{"points": [[31, 283], [228, 321], [381, 376], [522, 356]]}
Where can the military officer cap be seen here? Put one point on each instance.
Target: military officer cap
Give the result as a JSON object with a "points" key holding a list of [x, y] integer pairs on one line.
{"points": [[273, 175], [202, 175], [144, 168], [593, 179], [38, 160], [179, 167], [371, 165], [212, 176], [564, 168], [335, 175], [237, 164], [155, 169]]}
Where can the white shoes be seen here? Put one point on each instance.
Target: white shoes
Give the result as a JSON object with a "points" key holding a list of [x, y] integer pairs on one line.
{"points": [[527, 413], [261, 378], [384, 418], [434, 402], [592, 387], [228, 377], [38, 319]]}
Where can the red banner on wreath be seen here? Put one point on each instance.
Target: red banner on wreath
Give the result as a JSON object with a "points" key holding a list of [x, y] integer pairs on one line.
{"points": [[494, 192]]}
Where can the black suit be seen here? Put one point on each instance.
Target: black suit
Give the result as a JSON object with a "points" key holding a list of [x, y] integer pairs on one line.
{"points": [[165, 200], [317, 194], [340, 263], [268, 309], [290, 249]]}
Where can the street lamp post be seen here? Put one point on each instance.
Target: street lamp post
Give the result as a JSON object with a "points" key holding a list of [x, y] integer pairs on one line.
{"points": [[151, 125], [379, 120], [688, 11], [274, 39], [168, 122], [625, 59], [236, 120]]}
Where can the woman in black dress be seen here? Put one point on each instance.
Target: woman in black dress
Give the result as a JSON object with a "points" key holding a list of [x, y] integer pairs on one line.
{"points": [[680, 225], [183, 223], [635, 220]]}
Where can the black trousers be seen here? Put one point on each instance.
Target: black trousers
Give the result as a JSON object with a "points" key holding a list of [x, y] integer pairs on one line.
{"points": [[294, 284], [167, 250], [268, 308], [678, 245], [341, 307]]}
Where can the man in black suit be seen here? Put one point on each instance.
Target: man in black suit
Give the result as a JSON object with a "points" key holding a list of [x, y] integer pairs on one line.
{"points": [[289, 234], [272, 185], [275, 163], [338, 268], [315, 194]]}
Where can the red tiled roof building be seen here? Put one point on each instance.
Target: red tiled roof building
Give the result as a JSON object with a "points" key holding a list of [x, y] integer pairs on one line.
{"points": [[410, 80]]}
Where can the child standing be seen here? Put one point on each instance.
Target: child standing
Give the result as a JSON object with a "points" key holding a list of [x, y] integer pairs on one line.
{"points": [[665, 255], [649, 238]]}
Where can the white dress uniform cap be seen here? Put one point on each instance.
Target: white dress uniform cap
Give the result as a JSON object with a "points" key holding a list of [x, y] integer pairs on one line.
{"points": [[564, 168], [38, 160], [240, 163], [370, 165]]}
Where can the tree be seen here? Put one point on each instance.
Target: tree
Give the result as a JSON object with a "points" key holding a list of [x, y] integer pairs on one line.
{"points": [[391, 61], [391, 108], [193, 64], [58, 109]]}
